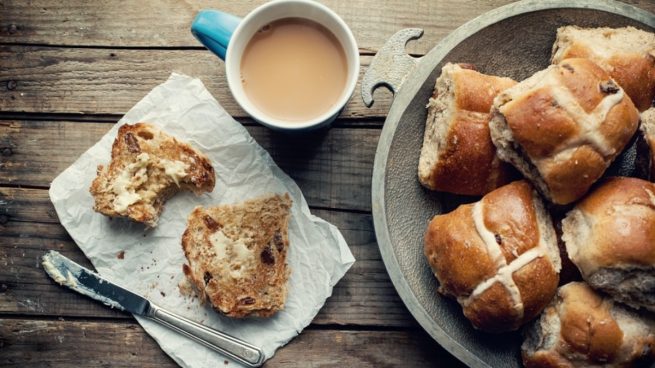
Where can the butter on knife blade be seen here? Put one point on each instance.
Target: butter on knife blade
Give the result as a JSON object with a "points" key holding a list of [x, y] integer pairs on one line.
{"points": [[70, 274], [67, 273]]}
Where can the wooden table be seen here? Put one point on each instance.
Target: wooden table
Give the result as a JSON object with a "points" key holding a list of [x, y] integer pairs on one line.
{"points": [[70, 69]]}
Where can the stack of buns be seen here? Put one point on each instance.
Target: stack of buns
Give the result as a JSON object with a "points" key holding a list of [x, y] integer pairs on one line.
{"points": [[561, 129]]}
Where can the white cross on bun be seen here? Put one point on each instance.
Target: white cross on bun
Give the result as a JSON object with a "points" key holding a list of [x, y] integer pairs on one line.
{"points": [[581, 328], [627, 54], [563, 126], [498, 257]]}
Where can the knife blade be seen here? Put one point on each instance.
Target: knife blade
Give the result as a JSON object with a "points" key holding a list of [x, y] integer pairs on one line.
{"points": [[84, 281]]}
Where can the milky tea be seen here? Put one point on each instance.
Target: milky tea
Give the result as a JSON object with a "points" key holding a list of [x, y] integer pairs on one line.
{"points": [[294, 69]]}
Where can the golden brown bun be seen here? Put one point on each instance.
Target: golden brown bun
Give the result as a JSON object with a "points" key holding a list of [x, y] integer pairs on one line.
{"points": [[563, 127], [498, 257], [148, 167], [457, 154], [627, 54], [580, 328], [610, 236], [237, 255]]}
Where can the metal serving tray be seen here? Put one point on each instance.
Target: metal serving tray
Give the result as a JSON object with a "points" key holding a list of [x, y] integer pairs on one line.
{"points": [[514, 41]]}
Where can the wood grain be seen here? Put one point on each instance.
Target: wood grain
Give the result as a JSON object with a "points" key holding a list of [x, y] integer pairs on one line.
{"points": [[333, 168], [111, 81], [364, 296], [111, 344], [165, 23]]}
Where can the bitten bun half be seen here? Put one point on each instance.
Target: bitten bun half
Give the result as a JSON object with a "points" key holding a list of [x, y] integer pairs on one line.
{"points": [[457, 154], [581, 328], [563, 127], [147, 167], [610, 236], [498, 257], [627, 54]]}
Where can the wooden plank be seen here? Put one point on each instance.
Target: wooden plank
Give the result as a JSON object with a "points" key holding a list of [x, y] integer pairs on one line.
{"points": [[364, 297], [111, 81], [333, 168], [165, 23], [30, 343]]}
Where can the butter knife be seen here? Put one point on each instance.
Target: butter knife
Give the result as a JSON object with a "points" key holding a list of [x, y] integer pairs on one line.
{"points": [[70, 274]]}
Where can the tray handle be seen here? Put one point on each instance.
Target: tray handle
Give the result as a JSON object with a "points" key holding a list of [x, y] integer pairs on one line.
{"points": [[391, 65]]}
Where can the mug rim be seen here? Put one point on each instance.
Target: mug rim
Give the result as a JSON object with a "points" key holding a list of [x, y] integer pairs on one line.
{"points": [[260, 116]]}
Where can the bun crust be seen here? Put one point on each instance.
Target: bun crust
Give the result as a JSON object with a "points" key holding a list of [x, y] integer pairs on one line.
{"points": [[237, 255], [580, 328], [457, 154], [563, 127], [610, 236], [627, 54], [647, 129], [148, 167], [498, 257]]}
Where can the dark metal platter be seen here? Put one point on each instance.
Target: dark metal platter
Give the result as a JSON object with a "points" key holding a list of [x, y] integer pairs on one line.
{"points": [[513, 41]]}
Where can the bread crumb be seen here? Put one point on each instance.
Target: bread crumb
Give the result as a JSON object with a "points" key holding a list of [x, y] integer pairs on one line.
{"points": [[185, 288]]}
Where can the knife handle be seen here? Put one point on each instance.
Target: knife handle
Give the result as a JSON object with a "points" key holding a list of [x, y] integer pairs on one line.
{"points": [[234, 348]]}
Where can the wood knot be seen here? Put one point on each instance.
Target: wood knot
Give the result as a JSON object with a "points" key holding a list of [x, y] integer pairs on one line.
{"points": [[7, 151], [4, 288], [12, 29], [4, 219], [11, 85]]}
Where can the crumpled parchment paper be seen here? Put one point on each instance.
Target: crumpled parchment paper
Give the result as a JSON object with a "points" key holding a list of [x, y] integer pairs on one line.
{"points": [[152, 259]]}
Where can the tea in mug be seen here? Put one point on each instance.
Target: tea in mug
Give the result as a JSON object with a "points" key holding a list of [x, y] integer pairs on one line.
{"points": [[294, 69]]}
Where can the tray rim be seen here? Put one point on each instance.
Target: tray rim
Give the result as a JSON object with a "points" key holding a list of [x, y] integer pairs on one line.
{"points": [[400, 102]]}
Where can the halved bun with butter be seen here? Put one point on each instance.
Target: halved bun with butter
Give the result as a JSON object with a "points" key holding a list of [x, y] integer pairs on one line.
{"points": [[237, 255], [457, 155], [498, 257], [148, 167]]}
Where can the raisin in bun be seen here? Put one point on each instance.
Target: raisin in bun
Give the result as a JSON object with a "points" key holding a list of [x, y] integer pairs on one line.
{"points": [[627, 54], [498, 257], [563, 127]]}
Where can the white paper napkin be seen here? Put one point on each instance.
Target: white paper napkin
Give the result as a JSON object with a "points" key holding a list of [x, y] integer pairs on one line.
{"points": [[152, 260]]}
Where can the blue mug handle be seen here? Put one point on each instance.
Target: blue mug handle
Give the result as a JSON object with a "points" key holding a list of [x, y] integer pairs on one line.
{"points": [[214, 28]]}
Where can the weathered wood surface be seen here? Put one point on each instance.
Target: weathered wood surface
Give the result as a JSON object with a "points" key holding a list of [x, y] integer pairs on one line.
{"points": [[165, 23], [112, 344], [333, 168], [111, 81], [29, 227], [90, 61]]}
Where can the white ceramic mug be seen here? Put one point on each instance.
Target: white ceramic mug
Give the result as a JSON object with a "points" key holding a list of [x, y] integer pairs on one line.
{"points": [[227, 36]]}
